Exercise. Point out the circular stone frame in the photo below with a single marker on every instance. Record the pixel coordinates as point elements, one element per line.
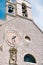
<point>12,41</point>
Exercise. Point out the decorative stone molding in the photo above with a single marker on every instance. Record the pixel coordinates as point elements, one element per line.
<point>13,56</point>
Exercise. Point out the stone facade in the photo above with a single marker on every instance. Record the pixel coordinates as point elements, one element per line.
<point>20,36</point>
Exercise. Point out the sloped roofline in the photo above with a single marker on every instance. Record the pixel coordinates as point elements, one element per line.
<point>32,22</point>
<point>37,26</point>
<point>27,19</point>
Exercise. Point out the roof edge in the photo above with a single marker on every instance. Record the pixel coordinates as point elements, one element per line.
<point>37,26</point>
<point>32,22</point>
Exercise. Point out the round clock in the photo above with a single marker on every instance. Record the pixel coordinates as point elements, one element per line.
<point>13,38</point>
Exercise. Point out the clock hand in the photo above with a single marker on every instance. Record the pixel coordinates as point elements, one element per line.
<point>14,37</point>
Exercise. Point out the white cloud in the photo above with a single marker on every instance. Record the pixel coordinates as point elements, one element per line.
<point>39,8</point>
<point>37,13</point>
<point>39,22</point>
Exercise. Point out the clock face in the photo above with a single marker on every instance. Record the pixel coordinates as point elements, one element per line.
<point>12,38</point>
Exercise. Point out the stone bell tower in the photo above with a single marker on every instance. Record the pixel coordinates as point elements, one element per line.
<point>19,42</point>
<point>19,8</point>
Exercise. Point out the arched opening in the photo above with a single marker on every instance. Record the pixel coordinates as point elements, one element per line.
<point>10,8</point>
<point>24,10</point>
<point>29,58</point>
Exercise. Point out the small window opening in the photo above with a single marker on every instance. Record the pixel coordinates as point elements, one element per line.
<point>10,9</point>
<point>27,38</point>
<point>29,58</point>
<point>24,10</point>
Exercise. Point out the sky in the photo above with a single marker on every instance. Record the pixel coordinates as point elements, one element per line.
<point>2,9</point>
<point>37,11</point>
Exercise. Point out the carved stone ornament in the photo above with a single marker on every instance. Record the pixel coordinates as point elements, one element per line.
<point>13,56</point>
